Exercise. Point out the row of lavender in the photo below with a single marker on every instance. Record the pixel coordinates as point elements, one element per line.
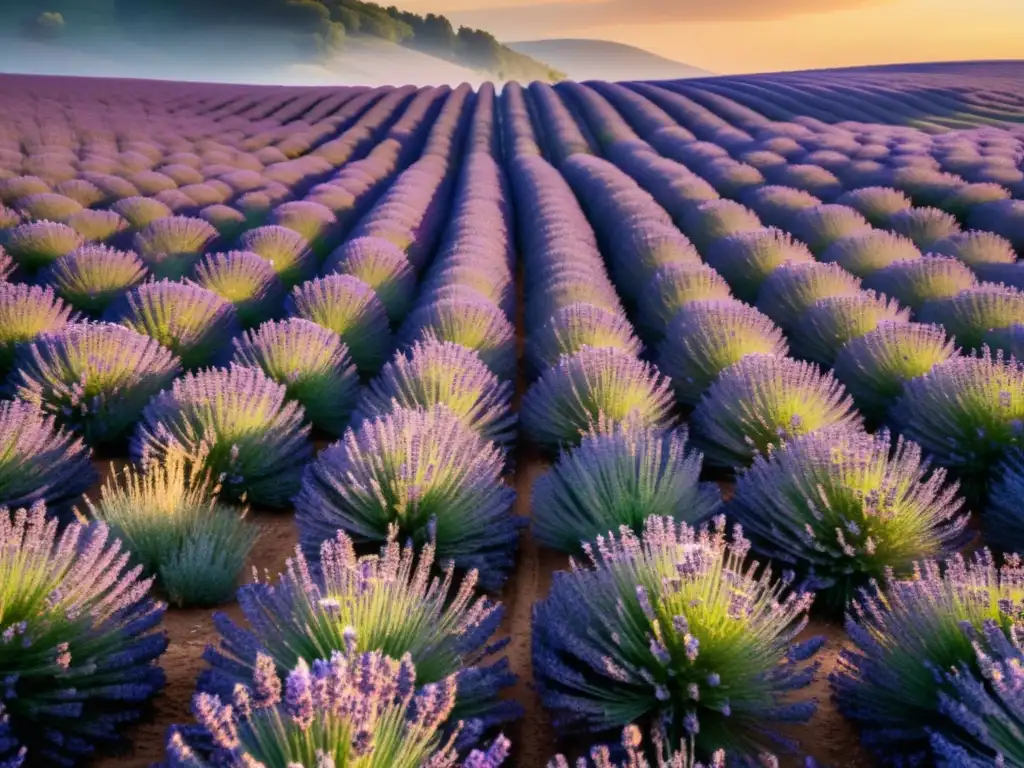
<point>822,501</point>
<point>430,461</point>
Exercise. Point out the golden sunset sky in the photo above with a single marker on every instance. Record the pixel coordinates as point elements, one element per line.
<point>733,36</point>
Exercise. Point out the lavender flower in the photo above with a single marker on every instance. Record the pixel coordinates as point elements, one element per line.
<point>170,246</point>
<point>672,626</point>
<point>675,286</point>
<point>876,204</point>
<point>381,265</point>
<point>913,283</point>
<point>763,401</point>
<point>595,382</point>
<point>792,289</point>
<point>392,603</point>
<point>7,266</point>
<point>97,226</point>
<point>706,337</point>
<point>776,206</point>
<point>832,322</point>
<point>865,253</point>
<point>747,258</point>
<point>875,367</point>
<point>238,424</point>
<point>843,508</point>
<point>824,225</point>
<point>350,308</point>
<point>970,314</point>
<point>194,323</point>
<point>355,709</point>
<point>39,461</point>
<point>976,248</point>
<point>18,187</point>
<point>618,477</point>
<point>246,280</point>
<point>906,637</point>
<point>93,276</point>
<point>474,323</point>
<point>169,517</point>
<point>94,377</point>
<point>575,327</point>
<point>314,222</point>
<point>39,243</point>
<point>47,206</point>
<point>960,201</point>
<point>25,313</point>
<point>967,412</point>
<point>228,222</point>
<point>440,372</point>
<point>77,646</point>
<point>312,362</point>
<point>665,756</point>
<point>925,226</point>
<point>287,251</point>
<point>140,212</point>
<point>709,221</point>
<point>427,473</point>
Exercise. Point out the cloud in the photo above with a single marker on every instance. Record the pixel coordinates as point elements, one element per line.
<point>544,19</point>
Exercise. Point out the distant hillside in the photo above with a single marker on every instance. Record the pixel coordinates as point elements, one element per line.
<point>363,61</point>
<point>605,60</point>
<point>306,33</point>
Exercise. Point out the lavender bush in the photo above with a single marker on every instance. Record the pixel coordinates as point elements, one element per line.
<point>245,279</point>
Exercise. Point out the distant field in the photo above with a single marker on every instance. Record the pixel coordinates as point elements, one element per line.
<point>505,321</point>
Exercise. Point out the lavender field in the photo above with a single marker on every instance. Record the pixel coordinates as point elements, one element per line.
<point>645,424</point>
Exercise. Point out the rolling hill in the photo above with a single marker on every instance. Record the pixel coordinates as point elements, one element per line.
<point>605,60</point>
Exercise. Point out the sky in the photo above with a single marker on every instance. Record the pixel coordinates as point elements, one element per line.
<point>740,36</point>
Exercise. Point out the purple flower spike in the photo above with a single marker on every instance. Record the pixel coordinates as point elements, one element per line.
<point>39,243</point>
<point>746,259</point>
<point>832,322</point>
<point>668,754</point>
<point>287,251</point>
<point>474,323</point>
<point>792,289</point>
<point>875,367</point>
<point>675,286</point>
<point>39,461</point>
<point>629,634</point>
<point>867,252</point>
<point>977,248</point>
<point>312,362</point>
<point>194,323</point>
<point>389,602</point>
<point>240,423</point>
<point>25,313</point>
<point>381,265</point>
<point>170,246</point>
<point>908,635</point>
<point>94,377</point>
<point>351,709</point>
<point>78,648</point>
<point>970,314</point>
<point>427,473</point>
<point>594,383</point>
<point>245,279</point>
<point>93,276</point>
<point>620,476</point>
<point>578,326</point>
<point>843,508</point>
<point>763,401</point>
<point>877,204</point>
<point>350,308</point>
<point>706,337</point>
<point>967,412</point>
<point>822,226</point>
<point>441,372</point>
<point>914,282</point>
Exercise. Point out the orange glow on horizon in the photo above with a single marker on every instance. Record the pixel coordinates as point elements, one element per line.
<point>853,32</point>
